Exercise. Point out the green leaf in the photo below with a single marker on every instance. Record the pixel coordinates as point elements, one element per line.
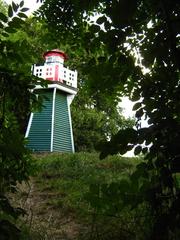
<point>94,28</point>
<point>10,11</point>
<point>24,9</point>
<point>128,135</point>
<point>137,150</point>
<point>21,4</point>
<point>22,15</point>
<point>144,150</point>
<point>3,17</point>
<point>136,106</point>
<point>101,20</point>
<point>5,34</point>
<point>16,22</point>
<point>10,30</point>
<point>135,97</point>
<point>107,25</point>
<point>1,25</point>
<point>15,6</point>
<point>139,113</point>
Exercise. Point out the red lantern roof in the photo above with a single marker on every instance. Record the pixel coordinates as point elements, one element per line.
<point>55,52</point>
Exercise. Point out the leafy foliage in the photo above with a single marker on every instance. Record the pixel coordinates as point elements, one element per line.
<point>113,68</point>
<point>95,115</point>
<point>16,101</point>
<point>95,119</point>
<point>135,33</point>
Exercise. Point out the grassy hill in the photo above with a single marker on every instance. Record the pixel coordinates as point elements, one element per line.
<point>64,198</point>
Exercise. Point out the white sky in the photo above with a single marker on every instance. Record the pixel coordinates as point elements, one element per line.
<point>127,106</point>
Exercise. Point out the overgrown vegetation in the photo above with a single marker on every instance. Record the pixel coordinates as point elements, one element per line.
<point>128,37</point>
<point>105,54</point>
<point>68,199</point>
<point>16,101</point>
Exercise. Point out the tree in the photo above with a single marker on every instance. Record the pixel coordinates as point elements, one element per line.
<point>81,57</point>
<point>3,7</point>
<point>16,101</point>
<point>95,116</point>
<point>95,119</point>
<point>150,28</point>
<point>20,48</point>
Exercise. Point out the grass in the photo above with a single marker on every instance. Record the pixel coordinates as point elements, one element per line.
<point>56,199</point>
<point>69,175</point>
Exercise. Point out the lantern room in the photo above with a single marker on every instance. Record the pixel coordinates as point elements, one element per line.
<point>53,69</point>
<point>54,56</point>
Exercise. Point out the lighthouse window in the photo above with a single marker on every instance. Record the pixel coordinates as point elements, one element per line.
<point>40,70</point>
<point>49,59</point>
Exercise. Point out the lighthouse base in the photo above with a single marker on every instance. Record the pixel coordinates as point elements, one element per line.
<point>50,130</point>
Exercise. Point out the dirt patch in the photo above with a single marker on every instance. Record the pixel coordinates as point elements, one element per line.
<point>43,219</point>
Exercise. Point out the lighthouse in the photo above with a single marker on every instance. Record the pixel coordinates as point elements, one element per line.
<point>50,129</point>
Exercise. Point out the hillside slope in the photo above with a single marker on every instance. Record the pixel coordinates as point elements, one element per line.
<point>57,199</point>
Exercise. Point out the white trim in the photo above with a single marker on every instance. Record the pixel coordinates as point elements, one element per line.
<point>29,125</point>
<point>59,87</point>
<point>69,100</point>
<point>52,121</point>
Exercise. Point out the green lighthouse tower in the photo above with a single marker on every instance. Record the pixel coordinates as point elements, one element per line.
<point>50,130</point>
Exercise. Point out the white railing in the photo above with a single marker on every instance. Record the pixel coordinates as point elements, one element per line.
<point>64,75</point>
<point>69,77</point>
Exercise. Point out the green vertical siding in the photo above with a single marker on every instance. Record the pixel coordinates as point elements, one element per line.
<point>62,141</point>
<point>40,131</point>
